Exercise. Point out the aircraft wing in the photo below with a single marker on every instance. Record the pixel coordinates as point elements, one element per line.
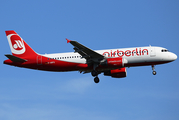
<point>86,52</point>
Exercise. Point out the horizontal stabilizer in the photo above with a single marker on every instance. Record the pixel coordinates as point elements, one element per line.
<point>14,58</point>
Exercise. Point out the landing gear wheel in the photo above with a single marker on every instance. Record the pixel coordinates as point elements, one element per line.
<point>94,73</point>
<point>154,72</point>
<point>96,80</point>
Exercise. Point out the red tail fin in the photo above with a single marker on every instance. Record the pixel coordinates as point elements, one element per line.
<point>19,47</point>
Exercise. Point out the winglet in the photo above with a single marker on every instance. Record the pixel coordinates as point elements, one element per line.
<point>68,40</point>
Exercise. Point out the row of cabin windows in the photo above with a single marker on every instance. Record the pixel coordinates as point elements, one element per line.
<point>127,53</point>
<point>57,58</point>
<point>81,56</point>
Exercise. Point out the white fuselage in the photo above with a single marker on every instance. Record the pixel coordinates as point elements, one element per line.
<point>131,56</point>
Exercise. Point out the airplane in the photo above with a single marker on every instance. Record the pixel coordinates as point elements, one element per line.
<point>110,62</point>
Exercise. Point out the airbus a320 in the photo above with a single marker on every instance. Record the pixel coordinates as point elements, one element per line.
<point>110,62</point>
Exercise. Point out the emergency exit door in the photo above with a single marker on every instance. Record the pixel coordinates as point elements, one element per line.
<point>152,52</point>
<point>39,60</point>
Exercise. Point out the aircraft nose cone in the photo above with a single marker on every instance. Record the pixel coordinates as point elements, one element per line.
<point>174,56</point>
<point>171,57</point>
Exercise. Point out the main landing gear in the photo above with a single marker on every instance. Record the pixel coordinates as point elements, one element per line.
<point>96,79</point>
<point>154,72</point>
<point>94,73</point>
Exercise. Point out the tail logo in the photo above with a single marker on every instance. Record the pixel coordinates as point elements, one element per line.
<point>16,44</point>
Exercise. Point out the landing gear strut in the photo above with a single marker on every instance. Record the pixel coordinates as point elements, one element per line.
<point>95,73</point>
<point>154,72</point>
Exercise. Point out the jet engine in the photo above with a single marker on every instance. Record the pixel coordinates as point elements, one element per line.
<point>116,73</point>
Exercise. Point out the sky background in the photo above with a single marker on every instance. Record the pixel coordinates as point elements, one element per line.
<point>27,94</point>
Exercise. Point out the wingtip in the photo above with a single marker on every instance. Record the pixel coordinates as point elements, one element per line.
<point>68,40</point>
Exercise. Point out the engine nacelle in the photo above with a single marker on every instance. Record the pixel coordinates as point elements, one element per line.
<point>117,73</point>
<point>113,62</point>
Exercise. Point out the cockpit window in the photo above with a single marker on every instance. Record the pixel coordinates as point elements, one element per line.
<point>164,50</point>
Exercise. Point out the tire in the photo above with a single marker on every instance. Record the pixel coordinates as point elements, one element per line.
<point>154,72</point>
<point>96,80</point>
<point>94,73</point>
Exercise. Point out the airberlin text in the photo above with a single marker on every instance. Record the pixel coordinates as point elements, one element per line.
<point>120,53</point>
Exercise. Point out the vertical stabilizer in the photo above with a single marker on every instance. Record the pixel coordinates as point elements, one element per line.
<point>18,46</point>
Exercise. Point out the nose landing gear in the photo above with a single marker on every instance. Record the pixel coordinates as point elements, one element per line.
<point>154,72</point>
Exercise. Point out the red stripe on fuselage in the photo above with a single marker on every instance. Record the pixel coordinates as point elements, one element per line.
<point>48,64</point>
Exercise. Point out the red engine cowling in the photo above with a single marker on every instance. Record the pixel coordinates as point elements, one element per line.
<point>113,62</point>
<point>117,73</point>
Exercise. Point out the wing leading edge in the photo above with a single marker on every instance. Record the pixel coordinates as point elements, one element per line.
<point>86,52</point>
